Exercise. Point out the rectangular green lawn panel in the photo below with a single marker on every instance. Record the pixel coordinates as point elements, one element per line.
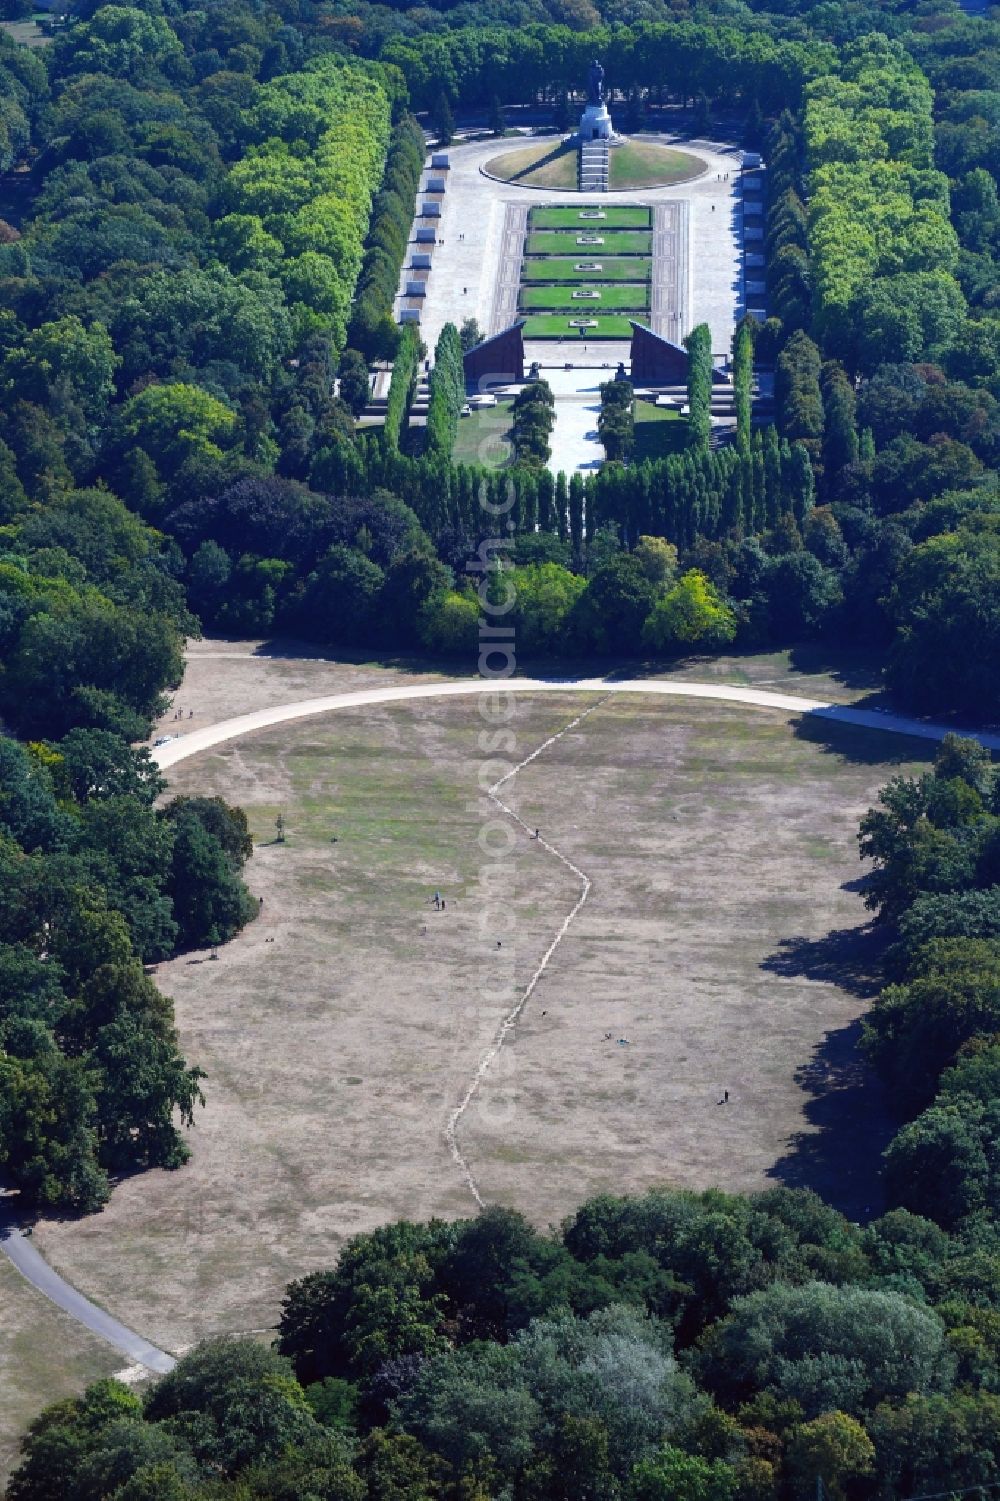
<point>555,326</point>
<point>658,431</point>
<point>611,299</point>
<point>562,269</point>
<point>484,436</point>
<point>616,242</point>
<point>623,217</point>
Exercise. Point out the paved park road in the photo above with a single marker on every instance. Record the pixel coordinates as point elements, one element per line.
<point>15,1245</point>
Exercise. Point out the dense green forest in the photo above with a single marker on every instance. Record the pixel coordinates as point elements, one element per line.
<point>209,211</point>
<point>203,213</point>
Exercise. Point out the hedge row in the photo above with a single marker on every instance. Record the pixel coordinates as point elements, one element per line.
<point>787,243</point>
<point>371,327</point>
<point>447,386</point>
<point>700,492</point>
<point>743,383</point>
<point>699,348</point>
<point>404,375</point>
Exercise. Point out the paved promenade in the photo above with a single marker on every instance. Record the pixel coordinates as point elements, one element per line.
<point>699,279</point>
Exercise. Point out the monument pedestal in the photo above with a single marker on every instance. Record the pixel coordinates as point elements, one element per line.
<point>595,123</point>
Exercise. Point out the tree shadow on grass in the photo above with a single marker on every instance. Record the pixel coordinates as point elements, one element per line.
<point>850,1125</point>
<point>855,669</point>
<point>851,958</point>
<point>860,744</point>
<point>849,1120</point>
<point>562,149</point>
<point>289,649</point>
<point>563,668</point>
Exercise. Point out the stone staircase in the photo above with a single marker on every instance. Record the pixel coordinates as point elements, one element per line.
<point>594,166</point>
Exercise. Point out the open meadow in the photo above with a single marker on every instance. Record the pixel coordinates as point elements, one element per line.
<point>346,1023</point>
<point>484,436</point>
<point>644,164</point>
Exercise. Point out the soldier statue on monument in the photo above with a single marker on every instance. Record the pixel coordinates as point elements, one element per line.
<point>595,122</point>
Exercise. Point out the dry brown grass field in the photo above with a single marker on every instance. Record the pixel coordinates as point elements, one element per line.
<point>337,1034</point>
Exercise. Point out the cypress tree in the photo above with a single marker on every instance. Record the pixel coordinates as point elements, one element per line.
<point>759,494</point>
<point>797,393</point>
<point>404,374</point>
<point>442,119</point>
<point>772,476</point>
<point>743,382</point>
<point>590,504</point>
<point>576,516</point>
<point>840,432</point>
<point>528,486</point>
<point>447,387</point>
<point>561,502</point>
<point>800,486</point>
<point>546,507</point>
<point>699,347</point>
<point>732,509</point>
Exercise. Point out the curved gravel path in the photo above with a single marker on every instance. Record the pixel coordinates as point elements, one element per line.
<point>758,698</point>
<point>15,1244</point>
